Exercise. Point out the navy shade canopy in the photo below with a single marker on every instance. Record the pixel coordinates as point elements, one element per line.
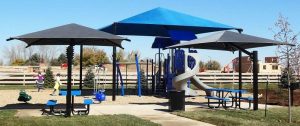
<point>64,35</point>
<point>228,41</point>
<point>71,34</point>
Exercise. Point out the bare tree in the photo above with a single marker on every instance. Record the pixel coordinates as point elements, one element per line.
<point>48,52</point>
<point>121,55</point>
<point>283,32</point>
<point>1,62</point>
<point>289,55</point>
<point>20,52</point>
<point>14,52</point>
<point>131,55</point>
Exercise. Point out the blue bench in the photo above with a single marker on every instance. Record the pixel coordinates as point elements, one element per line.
<point>249,99</point>
<point>220,101</point>
<point>87,103</point>
<point>51,104</point>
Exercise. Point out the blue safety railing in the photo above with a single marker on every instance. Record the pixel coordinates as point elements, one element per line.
<point>138,75</point>
<point>119,76</point>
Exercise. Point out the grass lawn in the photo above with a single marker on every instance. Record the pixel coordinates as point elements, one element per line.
<point>275,117</point>
<point>246,86</point>
<point>7,119</point>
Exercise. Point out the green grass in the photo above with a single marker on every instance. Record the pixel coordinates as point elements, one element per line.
<point>7,118</point>
<point>275,117</point>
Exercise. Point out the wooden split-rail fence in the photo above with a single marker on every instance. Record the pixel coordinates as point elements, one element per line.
<point>131,78</point>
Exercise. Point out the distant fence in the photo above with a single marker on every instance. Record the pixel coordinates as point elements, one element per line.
<point>210,78</point>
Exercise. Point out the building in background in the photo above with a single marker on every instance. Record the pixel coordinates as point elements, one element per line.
<point>270,65</point>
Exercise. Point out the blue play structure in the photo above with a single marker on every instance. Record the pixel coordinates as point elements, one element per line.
<point>138,76</point>
<point>177,60</point>
<point>100,96</point>
<point>179,66</point>
<point>119,76</point>
<point>100,92</point>
<point>168,75</point>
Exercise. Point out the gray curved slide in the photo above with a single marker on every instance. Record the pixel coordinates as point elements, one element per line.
<point>180,83</point>
<point>200,85</point>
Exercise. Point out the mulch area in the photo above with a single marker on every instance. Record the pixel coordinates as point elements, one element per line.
<point>279,97</point>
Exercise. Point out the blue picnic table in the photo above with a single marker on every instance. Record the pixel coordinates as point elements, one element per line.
<point>222,97</point>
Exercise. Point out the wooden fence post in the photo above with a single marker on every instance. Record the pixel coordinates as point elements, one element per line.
<point>24,78</point>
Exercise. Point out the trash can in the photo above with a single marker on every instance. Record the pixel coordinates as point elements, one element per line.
<point>176,100</point>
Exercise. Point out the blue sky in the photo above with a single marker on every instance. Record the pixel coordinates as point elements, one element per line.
<point>254,16</point>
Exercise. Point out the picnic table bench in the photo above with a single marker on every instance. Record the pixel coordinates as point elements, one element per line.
<point>220,101</point>
<point>222,97</point>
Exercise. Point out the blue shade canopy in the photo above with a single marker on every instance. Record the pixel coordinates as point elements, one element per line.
<point>158,21</point>
<point>161,42</point>
<point>182,35</point>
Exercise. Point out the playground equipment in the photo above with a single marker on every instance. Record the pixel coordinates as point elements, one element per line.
<point>119,76</point>
<point>158,83</point>
<point>23,96</point>
<point>138,76</point>
<point>186,68</point>
<point>99,83</point>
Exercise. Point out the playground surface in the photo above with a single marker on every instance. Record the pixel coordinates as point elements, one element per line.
<point>150,108</point>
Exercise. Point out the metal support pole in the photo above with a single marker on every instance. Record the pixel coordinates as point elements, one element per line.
<point>70,53</point>
<point>266,102</point>
<point>114,67</point>
<point>159,68</point>
<point>80,67</point>
<point>289,86</point>
<point>139,90</point>
<point>240,76</point>
<point>147,77</point>
<point>126,75</point>
<point>118,67</point>
<point>152,76</point>
<point>255,80</point>
<point>114,74</point>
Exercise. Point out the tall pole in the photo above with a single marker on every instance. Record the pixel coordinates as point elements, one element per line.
<point>289,84</point>
<point>114,74</point>
<point>126,74</point>
<point>152,76</point>
<point>70,54</point>
<point>139,91</point>
<point>240,76</point>
<point>114,67</point>
<point>147,76</point>
<point>80,67</point>
<point>255,80</point>
<point>266,101</point>
<point>159,68</point>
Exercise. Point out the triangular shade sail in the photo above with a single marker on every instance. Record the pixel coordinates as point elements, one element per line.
<point>228,41</point>
<point>163,42</point>
<point>71,34</point>
<point>158,21</point>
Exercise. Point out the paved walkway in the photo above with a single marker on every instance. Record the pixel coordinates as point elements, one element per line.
<point>154,113</point>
